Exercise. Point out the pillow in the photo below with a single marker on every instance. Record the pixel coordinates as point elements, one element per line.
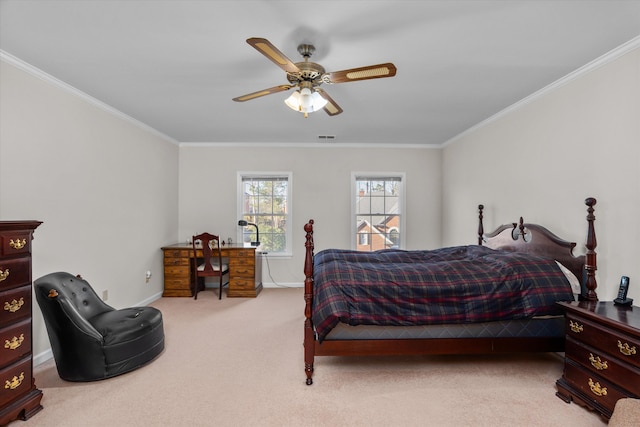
<point>573,280</point>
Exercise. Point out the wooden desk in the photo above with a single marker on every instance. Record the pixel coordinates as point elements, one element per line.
<point>245,270</point>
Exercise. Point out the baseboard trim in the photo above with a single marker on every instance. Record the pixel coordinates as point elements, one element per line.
<point>282,285</point>
<point>43,357</point>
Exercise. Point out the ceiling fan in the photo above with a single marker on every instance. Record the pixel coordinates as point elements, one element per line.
<point>307,77</point>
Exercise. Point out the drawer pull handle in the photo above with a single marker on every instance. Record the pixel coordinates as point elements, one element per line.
<point>4,274</point>
<point>575,327</point>
<point>14,305</point>
<point>597,363</point>
<point>18,244</point>
<point>597,389</point>
<point>14,343</point>
<point>626,349</point>
<point>15,382</point>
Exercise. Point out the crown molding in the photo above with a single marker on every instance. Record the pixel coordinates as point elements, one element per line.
<point>605,59</point>
<point>363,145</point>
<point>36,72</point>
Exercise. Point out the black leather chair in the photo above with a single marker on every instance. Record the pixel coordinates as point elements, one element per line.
<point>91,340</point>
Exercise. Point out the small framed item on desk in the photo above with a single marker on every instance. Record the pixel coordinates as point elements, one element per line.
<point>622,292</point>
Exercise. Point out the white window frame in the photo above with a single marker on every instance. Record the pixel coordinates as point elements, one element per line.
<point>403,201</point>
<point>289,222</point>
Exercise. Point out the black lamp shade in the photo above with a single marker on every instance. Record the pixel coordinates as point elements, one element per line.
<point>243,223</point>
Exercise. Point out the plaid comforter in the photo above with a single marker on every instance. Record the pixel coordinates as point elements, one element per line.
<point>462,284</point>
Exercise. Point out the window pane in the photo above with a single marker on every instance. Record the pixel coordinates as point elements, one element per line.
<point>378,202</point>
<point>392,205</point>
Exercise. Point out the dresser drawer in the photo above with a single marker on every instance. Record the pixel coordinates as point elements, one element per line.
<point>242,283</point>
<point>177,282</point>
<point>593,387</point>
<point>243,271</point>
<point>15,243</point>
<point>176,270</point>
<point>15,342</point>
<point>177,253</point>
<point>245,253</point>
<point>15,380</point>
<point>242,261</point>
<point>176,261</point>
<point>243,257</point>
<point>15,272</point>
<point>625,376</point>
<point>15,304</point>
<point>606,340</point>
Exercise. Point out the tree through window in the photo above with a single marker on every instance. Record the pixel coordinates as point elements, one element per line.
<point>265,201</point>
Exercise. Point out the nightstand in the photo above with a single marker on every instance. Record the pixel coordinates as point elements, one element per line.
<point>602,355</point>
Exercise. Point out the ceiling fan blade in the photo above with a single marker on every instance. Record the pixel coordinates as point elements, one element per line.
<point>265,47</point>
<point>332,108</point>
<point>258,94</point>
<point>362,73</point>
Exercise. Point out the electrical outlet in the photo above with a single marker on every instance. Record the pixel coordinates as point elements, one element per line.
<point>147,276</point>
<point>105,295</point>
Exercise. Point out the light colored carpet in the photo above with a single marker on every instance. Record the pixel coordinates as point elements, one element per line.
<point>238,362</point>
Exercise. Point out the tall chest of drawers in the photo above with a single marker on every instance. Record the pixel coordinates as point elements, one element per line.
<point>19,397</point>
<point>602,355</point>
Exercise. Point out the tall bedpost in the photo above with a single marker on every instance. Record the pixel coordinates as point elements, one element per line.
<point>480,226</point>
<point>590,258</point>
<point>309,338</point>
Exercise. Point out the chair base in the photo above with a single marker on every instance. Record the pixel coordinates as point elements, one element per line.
<point>121,357</point>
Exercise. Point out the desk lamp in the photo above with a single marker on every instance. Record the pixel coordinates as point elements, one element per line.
<point>243,223</point>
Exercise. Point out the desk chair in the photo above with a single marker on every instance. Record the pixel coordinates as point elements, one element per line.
<point>209,264</point>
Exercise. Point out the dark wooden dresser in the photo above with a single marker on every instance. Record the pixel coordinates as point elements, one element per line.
<point>602,355</point>
<point>19,397</point>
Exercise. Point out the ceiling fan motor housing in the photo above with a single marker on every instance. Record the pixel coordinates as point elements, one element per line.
<point>309,71</point>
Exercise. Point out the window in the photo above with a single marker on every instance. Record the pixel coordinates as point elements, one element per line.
<point>363,239</point>
<point>378,211</point>
<point>264,200</point>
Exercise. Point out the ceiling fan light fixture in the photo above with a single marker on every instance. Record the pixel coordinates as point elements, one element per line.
<point>305,101</point>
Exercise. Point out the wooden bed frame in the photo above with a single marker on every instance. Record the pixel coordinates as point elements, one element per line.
<point>530,238</point>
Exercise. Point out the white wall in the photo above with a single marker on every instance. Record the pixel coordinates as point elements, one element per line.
<point>106,189</point>
<point>543,159</point>
<point>111,192</point>
<point>321,190</point>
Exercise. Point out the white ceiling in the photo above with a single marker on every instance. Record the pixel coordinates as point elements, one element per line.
<point>175,65</point>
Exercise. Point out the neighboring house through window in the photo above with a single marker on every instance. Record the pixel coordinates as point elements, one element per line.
<point>264,199</point>
<point>378,210</point>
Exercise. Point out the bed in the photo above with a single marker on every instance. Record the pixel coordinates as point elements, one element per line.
<point>446,301</point>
